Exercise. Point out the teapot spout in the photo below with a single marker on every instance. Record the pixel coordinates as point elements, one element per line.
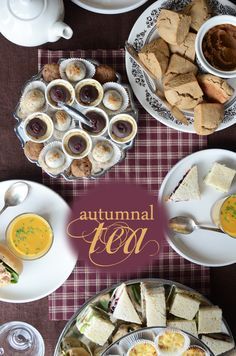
<point>60,29</point>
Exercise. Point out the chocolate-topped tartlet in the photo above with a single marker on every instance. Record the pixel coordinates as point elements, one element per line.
<point>77,143</point>
<point>59,90</point>
<point>59,93</point>
<point>99,121</point>
<point>38,127</point>
<point>89,92</point>
<point>123,128</point>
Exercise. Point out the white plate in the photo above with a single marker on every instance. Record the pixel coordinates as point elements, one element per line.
<point>109,6</point>
<point>201,247</point>
<point>40,277</point>
<point>143,31</point>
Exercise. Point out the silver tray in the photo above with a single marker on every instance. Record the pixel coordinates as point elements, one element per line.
<point>95,301</point>
<point>131,109</point>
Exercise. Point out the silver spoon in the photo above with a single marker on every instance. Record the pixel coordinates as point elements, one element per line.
<point>186,225</point>
<point>15,195</point>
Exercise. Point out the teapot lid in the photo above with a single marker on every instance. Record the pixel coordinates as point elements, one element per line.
<point>26,9</point>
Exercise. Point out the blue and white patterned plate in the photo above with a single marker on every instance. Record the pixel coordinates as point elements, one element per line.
<point>143,31</point>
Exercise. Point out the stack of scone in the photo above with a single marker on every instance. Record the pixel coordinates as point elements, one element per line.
<point>171,59</point>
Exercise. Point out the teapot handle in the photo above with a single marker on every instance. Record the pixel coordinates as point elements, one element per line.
<point>60,29</point>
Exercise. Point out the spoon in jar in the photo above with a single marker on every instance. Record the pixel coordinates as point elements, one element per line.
<point>15,195</point>
<point>186,225</point>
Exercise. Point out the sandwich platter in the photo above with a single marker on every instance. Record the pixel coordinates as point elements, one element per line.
<point>142,33</point>
<point>202,247</point>
<point>131,308</point>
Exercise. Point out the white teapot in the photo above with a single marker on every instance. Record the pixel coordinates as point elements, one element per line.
<point>33,22</point>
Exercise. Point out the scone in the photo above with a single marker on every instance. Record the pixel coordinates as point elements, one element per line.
<point>105,73</point>
<point>33,149</point>
<point>183,91</point>
<point>51,72</point>
<point>81,167</point>
<point>155,56</point>
<point>215,88</point>
<point>187,48</point>
<point>199,11</point>
<point>178,65</point>
<point>173,27</point>
<point>207,117</point>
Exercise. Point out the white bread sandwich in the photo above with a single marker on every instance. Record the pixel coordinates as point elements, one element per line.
<point>95,325</point>
<point>185,325</point>
<point>184,306</point>
<point>153,304</point>
<point>10,267</point>
<point>121,306</point>
<point>209,319</point>
<point>220,177</point>
<point>217,344</point>
<point>188,187</point>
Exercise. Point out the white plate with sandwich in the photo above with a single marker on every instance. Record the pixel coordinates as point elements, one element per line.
<point>179,77</point>
<point>109,7</point>
<point>42,276</point>
<point>137,304</point>
<point>191,188</point>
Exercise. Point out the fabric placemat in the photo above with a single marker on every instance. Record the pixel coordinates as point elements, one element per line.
<point>157,148</point>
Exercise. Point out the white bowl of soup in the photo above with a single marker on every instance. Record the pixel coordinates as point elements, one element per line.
<point>29,236</point>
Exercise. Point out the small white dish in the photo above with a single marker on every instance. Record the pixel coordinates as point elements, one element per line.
<point>209,24</point>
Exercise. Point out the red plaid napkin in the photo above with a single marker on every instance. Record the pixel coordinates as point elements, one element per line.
<point>157,148</point>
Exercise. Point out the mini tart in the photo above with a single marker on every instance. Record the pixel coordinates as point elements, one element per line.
<point>32,150</point>
<point>97,92</point>
<point>49,127</point>
<point>32,99</point>
<point>110,100</point>
<point>60,130</point>
<point>50,158</point>
<point>80,168</point>
<point>99,167</point>
<point>67,73</point>
<point>143,348</point>
<point>195,350</point>
<point>106,121</point>
<point>126,118</point>
<point>68,88</point>
<point>171,342</point>
<point>50,72</point>
<point>84,136</point>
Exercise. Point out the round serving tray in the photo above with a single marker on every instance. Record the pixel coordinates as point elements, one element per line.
<point>131,109</point>
<point>143,32</point>
<point>95,300</point>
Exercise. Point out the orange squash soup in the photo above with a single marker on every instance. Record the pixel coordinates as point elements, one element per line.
<point>29,236</point>
<point>228,216</point>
